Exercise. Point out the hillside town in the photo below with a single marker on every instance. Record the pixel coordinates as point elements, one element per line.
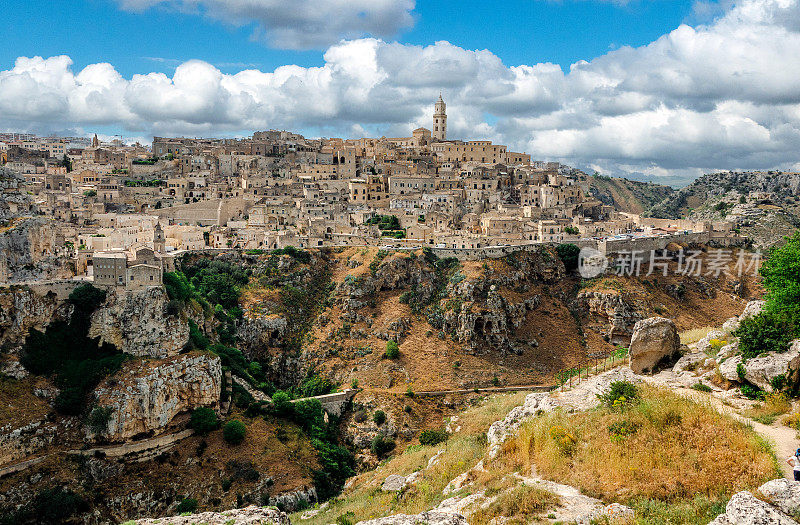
<point>110,201</point>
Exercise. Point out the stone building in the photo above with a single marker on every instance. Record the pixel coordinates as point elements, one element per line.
<point>440,120</point>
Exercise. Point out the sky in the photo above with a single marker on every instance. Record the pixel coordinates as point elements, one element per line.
<point>661,90</point>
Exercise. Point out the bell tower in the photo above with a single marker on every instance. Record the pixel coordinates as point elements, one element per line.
<point>440,120</point>
<point>159,241</point>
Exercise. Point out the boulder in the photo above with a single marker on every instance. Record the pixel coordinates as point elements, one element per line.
<point>727,351</point>
<point>251,515</point>
<point>731,324</point>
<point>394,483</point>
<point>752,309</point>
<point>653,339</point>
<point>689,362</point>
<point>782,493</point>
<point>424,518</point>
<point>765,370</point>
<point>729,368</point>
<point>612,514</point>
<point>746,509</point>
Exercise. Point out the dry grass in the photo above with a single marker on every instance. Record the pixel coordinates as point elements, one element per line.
<point>695,334</point>
<point>462,452</point>
<point>520,504</point>
<point>19,406</point>
<point>678,451</point>
<point>774,405</point>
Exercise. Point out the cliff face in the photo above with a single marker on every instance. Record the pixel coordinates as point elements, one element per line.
<point>27,252</point>
<point>136,323</point>
<point>146,396</point>
<point>23,308</point>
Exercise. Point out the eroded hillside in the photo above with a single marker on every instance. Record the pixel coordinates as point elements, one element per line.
<point>244,333</point>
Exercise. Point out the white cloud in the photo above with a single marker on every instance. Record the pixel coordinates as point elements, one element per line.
<point>299,24</point>
<point>717,96</point>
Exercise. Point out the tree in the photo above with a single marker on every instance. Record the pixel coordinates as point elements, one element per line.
<point>779,323</point>
<point>67,163</point>
<point>234,431</point>
<point>568,253</point>
<point>203,420</point>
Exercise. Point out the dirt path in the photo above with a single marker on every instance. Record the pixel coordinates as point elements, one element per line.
<point>783,438</point>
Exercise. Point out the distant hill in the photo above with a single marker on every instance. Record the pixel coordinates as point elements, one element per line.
<point>764,205</point>
<point>624,194</point>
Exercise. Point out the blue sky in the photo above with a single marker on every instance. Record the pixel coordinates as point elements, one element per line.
<point>518,31</point>
<point>651,89</point>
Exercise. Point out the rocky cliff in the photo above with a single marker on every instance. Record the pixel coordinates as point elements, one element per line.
<point>25,307</point>
<point>28,251</point>
<point>137,323</point>
<point>146,396</point>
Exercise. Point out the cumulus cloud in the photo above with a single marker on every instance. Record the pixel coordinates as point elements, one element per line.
<point>299,24</point>
<point>722,95</point>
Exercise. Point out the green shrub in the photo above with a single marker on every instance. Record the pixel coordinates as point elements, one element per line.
<point>765,332</point>
<point>282,404</point>
<point>741,371</point>
<point>432,437</point>
<point>620,392</point>
<point>382,445</point>
<point>701,387</point>
<point>203,420</point>
<point>379,417</point>
<point>186,505</point>
<point>196,338</point>
<point>234,432</point>
<point>98,419</point>
<point>392,350</point>
<point>751,392</point>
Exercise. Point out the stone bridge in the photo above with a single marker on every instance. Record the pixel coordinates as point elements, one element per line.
<point>334,404</point>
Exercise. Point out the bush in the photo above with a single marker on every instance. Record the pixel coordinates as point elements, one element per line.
<point>432,437</point>
<point>379,417</point>
<point>392,350</point>
<point>98,420</point>
<point>382,445</point>
<point>282,404</point>
<point>620,393</point>
<point>766,332</point>
<point>203,420</point>
<point>234,432</point>
<point>701,387</point>
<point>186,505</point>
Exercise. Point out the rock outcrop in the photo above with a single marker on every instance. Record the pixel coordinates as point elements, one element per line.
<point>423,518</point>
<point>782,493</point>
<point>26,307</point>
<point>582,397</point>
<point>653,340</point>
<point>136,323</point>
<point>745,509</point>
<point>773,370</point>
<point>251,515</point>
<point>394,483</point>
<point>147,395</point>
<point>29,251</point>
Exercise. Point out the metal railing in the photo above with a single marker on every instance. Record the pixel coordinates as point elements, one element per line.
<point>596,363</point>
